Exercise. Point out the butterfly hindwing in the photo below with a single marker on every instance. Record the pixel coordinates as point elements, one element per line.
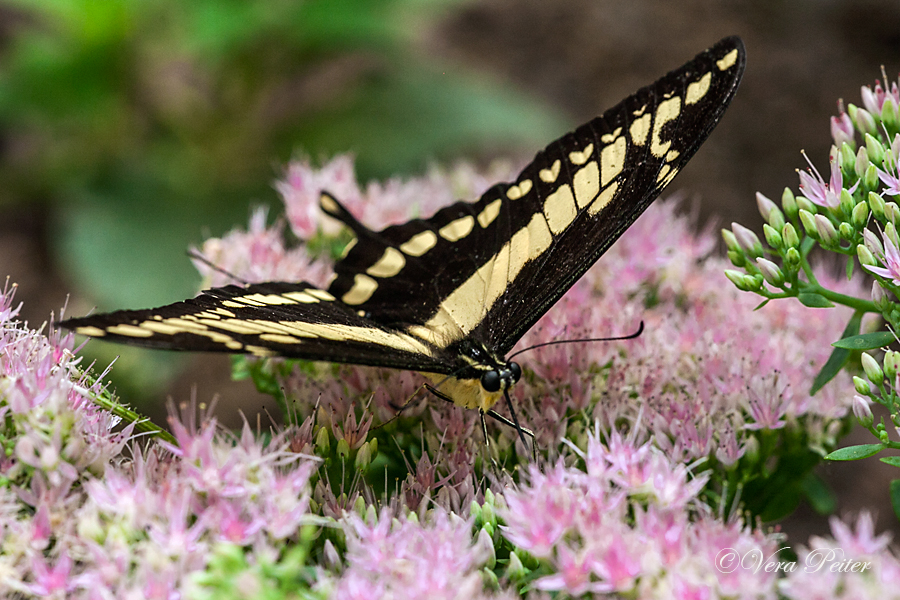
<point>489,270</point>
<point>276,318</point>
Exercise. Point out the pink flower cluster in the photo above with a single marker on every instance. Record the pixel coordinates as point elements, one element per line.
<point>78,519</point>
<point>631,523</point>
<point>703,379</point>
<point>407,559</point>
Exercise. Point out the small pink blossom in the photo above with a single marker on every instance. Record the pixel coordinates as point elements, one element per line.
<point>891,260</point>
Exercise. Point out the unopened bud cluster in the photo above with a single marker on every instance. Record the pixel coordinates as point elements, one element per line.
<point>853,212</point>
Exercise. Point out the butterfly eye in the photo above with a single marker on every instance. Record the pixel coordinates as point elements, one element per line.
<point>490,381</point>
<point>516,371</point>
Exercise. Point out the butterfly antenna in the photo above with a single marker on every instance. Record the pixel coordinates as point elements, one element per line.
<point>630,336</point>
<point>197,256</point>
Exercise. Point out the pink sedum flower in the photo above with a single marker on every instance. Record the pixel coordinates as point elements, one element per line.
<point>891,260</point>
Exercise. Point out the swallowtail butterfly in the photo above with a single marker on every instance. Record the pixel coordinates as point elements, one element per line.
<point>450,295</point>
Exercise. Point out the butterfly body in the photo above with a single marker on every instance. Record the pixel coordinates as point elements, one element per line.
<point>450,295</point>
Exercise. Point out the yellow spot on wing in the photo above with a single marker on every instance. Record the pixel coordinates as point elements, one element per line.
<point>727,61</point>
<point>328,204</point>
<point>586,183</point>
<point>348,247</point>
<point>129,331</point>
<point>639,130</point>
<point>457,229</point>
<point>269,299</point>
<point>419,244</point>
<point>91,331</point>
<point>458,314</point>
<point>363,288</point>
<point>612,159</point>
<point>390,263</point>
<point>608,137</point>
<point>260,351</point>
<point>224,313</point>
<point>231,304</point>
<point>579,158</point>
<point>517,191</point>
<point>697,89</point>
<point>490,212</point>
<point>302,297</point>
<point>320,294</point>
<point>550,175</point>
<point>559,208</point>
<point>603,199</point>
<point>665,112</point>
<point>279,339</point>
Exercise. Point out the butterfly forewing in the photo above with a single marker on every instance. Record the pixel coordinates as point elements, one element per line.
<point>489,270</point>
<point>476,275</point>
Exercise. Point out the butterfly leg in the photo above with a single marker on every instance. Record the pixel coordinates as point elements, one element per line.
<point>523,431</point>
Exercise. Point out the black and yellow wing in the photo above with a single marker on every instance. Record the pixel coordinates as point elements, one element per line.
<point>437,294</point>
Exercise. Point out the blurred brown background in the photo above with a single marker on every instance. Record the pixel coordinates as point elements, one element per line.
<point>349,82</point>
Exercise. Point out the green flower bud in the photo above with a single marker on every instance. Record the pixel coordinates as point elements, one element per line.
<point>891,363</point>
<point>848,158</point>
<point>789,235</point>
<point>873,244</point>
<point>846,230</point>
<point>488,516</point>
<point>808,220</point>
<point>773,238</point>
<point>789,203</point>
<point>747,240</point>
<point>363,457</point>
<point>485,544</point>
<point>730,241</point>
<point>753,282</point>
<point>861,385</point>
<point>359,506</point>
<point>343,449</point>
<point>865,257</point>
<point>847,202</point>
<point>891,212</point>
<point>737,278</point>
<point>871,368</point>
<point>827,233</point>
<point>475,513</point>
<point>770,271</point>
<point>803,203</point>
<point>861,163</point>
<point>890,232</point>
<point>889,112</point>
<point>323,442</point>
<point>769,211</point>
<point>515,570</point>
<point>736,258</point>
<point>751,450</point>
<point>865,122</point>
<point>792,260</point>
<point>874,149</point>
<point>880,299</point>
<point>871,178</point>
<point>862,412</point>
<point>860,215</point>
<point>876,203</point>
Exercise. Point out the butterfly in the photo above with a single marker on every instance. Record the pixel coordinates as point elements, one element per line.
<point>450,295</point>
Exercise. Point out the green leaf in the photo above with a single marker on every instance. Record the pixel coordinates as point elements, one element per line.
<point>895,497</point>
<point>813,300</point>
<point>855,452</point>
<point>838,358</point>
<point>761,304</point>
<point>894,461</point>
<point>866,341</point>
<point>820,497</point>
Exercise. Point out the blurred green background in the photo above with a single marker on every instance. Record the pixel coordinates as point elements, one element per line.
<point>130,129</point>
